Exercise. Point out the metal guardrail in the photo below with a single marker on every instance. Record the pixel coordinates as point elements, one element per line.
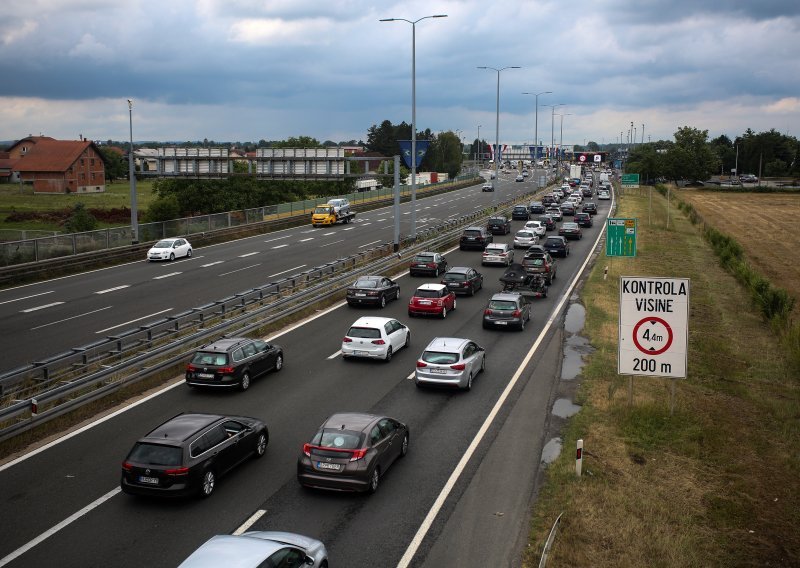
<point>45,389</point>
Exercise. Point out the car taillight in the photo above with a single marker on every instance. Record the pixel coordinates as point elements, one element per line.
<point>458,366</point>
<point>431,265</point>
<point>190,368</point>
<point>547,268</point>
<point>226,370</point>
<point>440,302</point>
<point>307,449</point>
<point>516,313</point>
<point>378,342</point>
<point>177,471</point>
<point>347,340</point>
<point>358,454</point>
<point>127,466</point>
<point>485,253</point>
<point>487,312</point>
<point>421,364</point>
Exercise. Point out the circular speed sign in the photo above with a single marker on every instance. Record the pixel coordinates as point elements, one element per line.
<point>652,336</point>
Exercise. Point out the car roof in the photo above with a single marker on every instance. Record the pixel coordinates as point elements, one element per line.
<point>459,269</point>
<point>181,427</point>
<point>425,253</point>
<point>508,296</point>
<point>231,551</point>
<point>447,344</point>
<point>371,321</point>
<point>349,420</point>
<point>224,344</point>
<point>474,229</point>
<point>431,287</point>
<point>369,278</point>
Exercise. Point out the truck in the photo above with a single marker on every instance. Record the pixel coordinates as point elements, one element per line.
<point>575,171</point>
<point>334,211</point>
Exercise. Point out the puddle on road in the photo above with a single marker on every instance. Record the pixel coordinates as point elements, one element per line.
<point>575,346</point>
<point>563,408</point>
<point>551,451</point>
<point>575,318</point>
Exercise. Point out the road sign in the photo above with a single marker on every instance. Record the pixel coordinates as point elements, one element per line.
<point>620,237</point>
<point>653,326</point>
<point>630,180</point>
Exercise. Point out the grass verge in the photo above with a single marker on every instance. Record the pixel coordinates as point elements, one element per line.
<point>715,483</point>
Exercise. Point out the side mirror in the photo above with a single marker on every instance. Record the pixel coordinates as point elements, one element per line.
<point>308,560</point>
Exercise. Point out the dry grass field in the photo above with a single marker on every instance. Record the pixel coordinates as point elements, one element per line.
<point>765,224</point>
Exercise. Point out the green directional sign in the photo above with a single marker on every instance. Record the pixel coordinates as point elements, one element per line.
<point>621,237</point>
<point>630,180</point>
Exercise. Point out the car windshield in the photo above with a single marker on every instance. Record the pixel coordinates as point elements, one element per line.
<point>423,258</point>
<point>455,276</point>
<point>502,305</point>
<point>551,241</point>
<point>155,454</point>
<point>322,210</point>
<point>439,358</point>
<point>472,233</point>
<point>365,332</point>
<point>209,358</point>
<point>427,293</point>
<point>535,260</point>
<point>366,283</point>
<point>339,439</point>
<point>163,244</point>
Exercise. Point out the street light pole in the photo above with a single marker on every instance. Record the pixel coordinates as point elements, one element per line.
<point>561,143</point>
<point>478,154</point>
<point>413,113</point>
<point>552,125</point>
<point>497,128</point>
<point>132,180</point>
<point>536,122</point>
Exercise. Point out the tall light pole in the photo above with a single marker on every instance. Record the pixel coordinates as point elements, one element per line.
<point>553,123</point>
<point>413,113</point>
<point>561,143</point>
<point>497,127</point>
<point>478,155</point>
<point>132,178</point>
<point>536,127</point>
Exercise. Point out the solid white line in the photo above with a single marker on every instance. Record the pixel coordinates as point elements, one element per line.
<point>114,289</point>
<point>250,522</point>
<point>40,307</point>
<point>304,240</point>
<point>285,271</point>
<point>448,487</point>
<point>333,243</point>
<point>26,297</point>
<point>67,319</point>
<point>211,264</point>
<point>167,275</point>
<point>372,243</point>
<point>335,355</point>
<point>133,321</point>
<point>280,246</point>
<point>240,269</point>
<point>248,254</point>
<point>50,532</point>
<point>278,238</point>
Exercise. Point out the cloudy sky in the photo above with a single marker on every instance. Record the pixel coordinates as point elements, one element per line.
<point>242,70</point>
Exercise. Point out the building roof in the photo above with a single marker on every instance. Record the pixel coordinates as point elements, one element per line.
<point>49,155</point>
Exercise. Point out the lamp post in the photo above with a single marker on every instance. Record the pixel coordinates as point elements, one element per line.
<point>553,123</point>
<point>478,155</point>
<point>413,113</point>
<point>561,142</point>
<point>132,179</point>
<point>536,122</point>
<point>497,127</point>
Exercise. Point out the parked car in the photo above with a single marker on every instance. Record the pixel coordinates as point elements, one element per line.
<point>375,338</point>
<point>373,291</point>
<point>463,279</point>
<point>525,238</point>
<point>170,249</point>
<point>499,225</point>
<point>432,263</point>
<point>507,309</point>
<point>590,208</point>
<point>255,549</point>
<point>557,246</point>
<point>520,213</point>
<point>352,451</point>
<point>498,253</point>
<point>188,453</point>
<point>450,362</point>
<point>432,299</point>
<point>475,237</point>
<point>548,222</point>
<point>571,231</point>
<point>583,219</point>
<point>536,207</point>
<point>488,186</point>
<point>540,262</point>
<point>233,362</point>
<point>555,213</point>
<point>537,227</point>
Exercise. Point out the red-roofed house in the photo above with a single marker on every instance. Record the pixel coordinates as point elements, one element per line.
<point>59,166</point>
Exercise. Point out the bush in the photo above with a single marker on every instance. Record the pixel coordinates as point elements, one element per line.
<point>81,220</point>
<point>163,209</point>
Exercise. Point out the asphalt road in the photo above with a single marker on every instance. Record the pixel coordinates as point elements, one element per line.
<point>62,507</point>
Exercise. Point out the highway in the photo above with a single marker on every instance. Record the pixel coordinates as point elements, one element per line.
<point>62,507</point>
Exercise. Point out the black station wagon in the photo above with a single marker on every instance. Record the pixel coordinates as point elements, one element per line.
<point>232,363</point>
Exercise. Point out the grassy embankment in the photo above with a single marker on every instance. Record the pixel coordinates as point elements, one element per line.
<point>714,484</point>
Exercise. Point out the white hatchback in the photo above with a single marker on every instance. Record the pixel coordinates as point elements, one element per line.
<point>170,249</point>
<point>375,338</point>
<point>524,238</point>
<point>537,227</point>
<point>497,253</point>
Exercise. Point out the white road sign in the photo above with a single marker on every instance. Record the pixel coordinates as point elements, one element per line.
<point>653,326</point>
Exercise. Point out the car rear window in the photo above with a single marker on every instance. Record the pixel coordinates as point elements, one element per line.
<point>338,439</point>
<point>365,332</point>
<point>502,305</point>
<point>472,233</point>
<point>208,358</point>
<point>366,284</point>
<point>524,234</point>
<point>155,454</point>
<point>494,249</point>
<point>535,261</point>
<point>552,241</point>
<point>455,277</point>
<point>423,258</point>
<point>427,294</point>
<point>439,358</point>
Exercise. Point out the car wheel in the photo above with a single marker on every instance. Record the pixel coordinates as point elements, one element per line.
<point>189,253</point>
<point>278,362</point>
<point>388,355</point>
<point>261,445</point>
<point>444,312</point>
<point>383,301</point>
<point>522,324</point>
<point>397,295</point>
<point>483,364</point>
<point>172,256</point>
<point>245,384</point>
<point>209,482</point>
<point>472,289</point>
<point>469,383</point>
<point>410,314</point>
<point>404,446</point>
<point>374,480</point>
<point>407,344</point>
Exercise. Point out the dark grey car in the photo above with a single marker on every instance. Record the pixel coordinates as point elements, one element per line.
<point>233,362</point>
<point>507,309</point>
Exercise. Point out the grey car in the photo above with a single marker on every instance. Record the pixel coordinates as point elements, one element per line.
<point>450,362</point>
<point>259,548</point>
<point>507,309</point>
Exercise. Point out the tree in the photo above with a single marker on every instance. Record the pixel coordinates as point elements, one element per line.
<point>163,209</point>
<point>114,164</point>
<point>80,220</point>
<point>298,142</point>
<point>693,157</point>
<point>593,146</point>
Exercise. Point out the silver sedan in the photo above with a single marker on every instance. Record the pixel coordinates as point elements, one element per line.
<point>450,362</point>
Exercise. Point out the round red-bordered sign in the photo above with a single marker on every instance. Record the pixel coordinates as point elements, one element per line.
<point>582,158</point>
<point>652,351</point>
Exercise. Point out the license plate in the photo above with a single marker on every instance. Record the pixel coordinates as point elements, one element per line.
<point>360,353</point>
<point>439,371</point>
<point>205,375</point>
<point>361,295</point>
<point>453,284</point>
<point>501,322</point>
<point>424,303</point>
<point>148,480</point>
<point>333,466</point>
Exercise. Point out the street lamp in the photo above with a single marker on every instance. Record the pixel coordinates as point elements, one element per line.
<point>497,127</point>
<point>478,155</point>
<point>536,128</point>
<point>413,112</point>
<point>132,178</point>
<point>561,143</point>
<point>552,123</point>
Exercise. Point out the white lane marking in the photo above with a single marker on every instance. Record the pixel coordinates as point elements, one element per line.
<point>285,271</point>
<point>331,233</point>
<point>240,269</point>
<point>40,307</point>
<point>365,224</point>
<point>247,254</point>
<point>280,246</point>
<point>53,530</point>
<point>134,320</point>
<point>211,264</point>
<point>309,231</point>
<point>278,238</point>
<point>250,522</point>
<point>411,376</point>
<point>367,244</point>
<point>335,355</point>
<point>407,213</point>
<point>387,227</point>
<point>332,243</point>
<point>27,297</point>
<point>167,275</point>
<point>67,319</point>
<point>348,229</point>
<point>114,289</point>
<point>304,240</point>
<point>448,487</point>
